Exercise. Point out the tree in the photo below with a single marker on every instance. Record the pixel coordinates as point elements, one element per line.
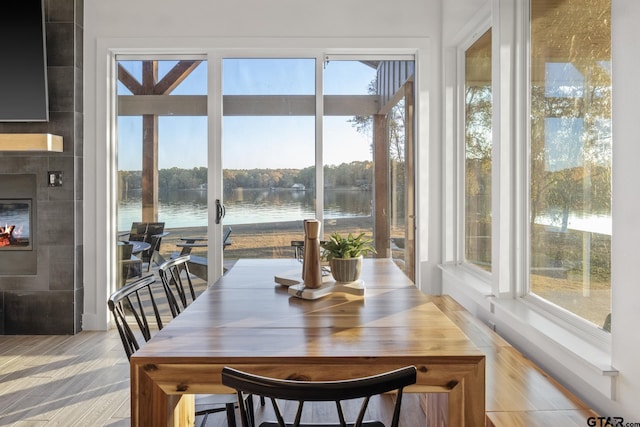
<point>395,123</point>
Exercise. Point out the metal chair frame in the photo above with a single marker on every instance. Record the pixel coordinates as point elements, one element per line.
<point>137,299</point>
<point>178,286</point>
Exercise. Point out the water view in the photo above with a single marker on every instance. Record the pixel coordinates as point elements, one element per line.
<point>188,208</point>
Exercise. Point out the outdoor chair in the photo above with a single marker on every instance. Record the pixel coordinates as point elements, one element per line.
<point>151,233</point>
<point>129,265</point>
<point>198,264</point>
<point>317,391</point>
<point>136,312</point>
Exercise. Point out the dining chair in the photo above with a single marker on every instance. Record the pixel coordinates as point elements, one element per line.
<point>319,391</point>
<point>137,315</point>
<point>135,301</point>
<point>176,279</point>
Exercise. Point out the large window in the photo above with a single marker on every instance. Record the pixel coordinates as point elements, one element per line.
<point>478,143</point>
<point>297,140</point>
<point>570,156</point>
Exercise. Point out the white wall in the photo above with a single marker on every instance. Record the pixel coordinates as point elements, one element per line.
<point>625,317</point>
<point>202,26</point>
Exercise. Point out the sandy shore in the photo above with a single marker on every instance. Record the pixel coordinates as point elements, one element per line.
<point>263,240</point>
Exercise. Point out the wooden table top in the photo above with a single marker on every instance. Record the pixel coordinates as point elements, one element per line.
<point>246,314</point>
<point>247,321</point>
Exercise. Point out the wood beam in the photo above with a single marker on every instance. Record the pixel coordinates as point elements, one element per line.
<point>149,168</point>
<point>129,81</point>
<point>381,226</point>
<point>149,77</point>
<point>174,77</point>
<point>149,147</point>
<point>409,162</point>
<point>247,105</point>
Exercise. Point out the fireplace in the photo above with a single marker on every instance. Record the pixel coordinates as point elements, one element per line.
<point>19,249</point>
<point>15,225</point>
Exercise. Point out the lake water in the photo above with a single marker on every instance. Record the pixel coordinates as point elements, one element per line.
<point>245,206</point>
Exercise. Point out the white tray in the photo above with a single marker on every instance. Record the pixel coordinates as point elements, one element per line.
<point>354,288</point>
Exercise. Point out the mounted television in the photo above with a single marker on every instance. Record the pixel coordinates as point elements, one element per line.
<point>23,69</point>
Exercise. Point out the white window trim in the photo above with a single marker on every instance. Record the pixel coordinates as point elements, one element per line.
<point>483,26</point>
<point>572,349</point>
<point>100,76</point>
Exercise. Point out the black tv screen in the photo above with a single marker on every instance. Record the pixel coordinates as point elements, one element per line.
<point>23,65</point>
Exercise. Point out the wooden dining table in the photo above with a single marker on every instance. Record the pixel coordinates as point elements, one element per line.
<point>248,321</point>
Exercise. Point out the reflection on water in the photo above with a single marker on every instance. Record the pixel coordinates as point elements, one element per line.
<point>245,206</point>
<point>589,222</point>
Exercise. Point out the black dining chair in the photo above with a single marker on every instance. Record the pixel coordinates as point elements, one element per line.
<point>136,312</point>
<point>318,391</point>
<point>177,283</point>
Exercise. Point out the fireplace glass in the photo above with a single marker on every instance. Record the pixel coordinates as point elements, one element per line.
<point>15,224</point>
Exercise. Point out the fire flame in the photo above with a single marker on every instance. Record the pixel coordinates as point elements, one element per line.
<point>9,233</point>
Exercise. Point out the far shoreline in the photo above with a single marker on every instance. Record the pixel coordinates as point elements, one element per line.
<point>269,239</point>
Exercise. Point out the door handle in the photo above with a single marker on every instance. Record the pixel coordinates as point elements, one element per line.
<point>220,211</point>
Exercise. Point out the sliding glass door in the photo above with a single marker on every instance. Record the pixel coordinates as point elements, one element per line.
<point>268,154</point>
<point>278,141</point>
<point>283,161</point>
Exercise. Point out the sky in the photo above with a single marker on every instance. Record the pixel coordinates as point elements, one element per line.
<point>253,142</point>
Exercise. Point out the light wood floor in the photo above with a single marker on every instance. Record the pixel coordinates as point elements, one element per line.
<point>83,380</point>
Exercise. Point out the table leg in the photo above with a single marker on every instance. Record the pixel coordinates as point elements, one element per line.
<point>151,406</point>
<point>463,405</point>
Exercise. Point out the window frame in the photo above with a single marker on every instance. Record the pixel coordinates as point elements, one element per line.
<point>508,281</point>
<point>594,334</point>
<point>479,31</point>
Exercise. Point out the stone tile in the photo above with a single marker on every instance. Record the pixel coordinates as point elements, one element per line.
<point>61,49</point>
<point>79,309</point>
<point>55,222</point>
<point>79,181</point>
<point>78,99</point>
<point>62,123</point>
<point>49,301</point>
<point>60,10</point>
<point>79,47</point>
<point>79,135</point>
<point>61,264</point>
<point>79,270</point>
<point>16,127</point>
<point>80,12</point>
<point>21,164</point>
<point>49,313</point>
<point>61,88</point>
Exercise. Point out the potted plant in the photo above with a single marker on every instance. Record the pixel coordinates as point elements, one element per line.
<point>345,255</point>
